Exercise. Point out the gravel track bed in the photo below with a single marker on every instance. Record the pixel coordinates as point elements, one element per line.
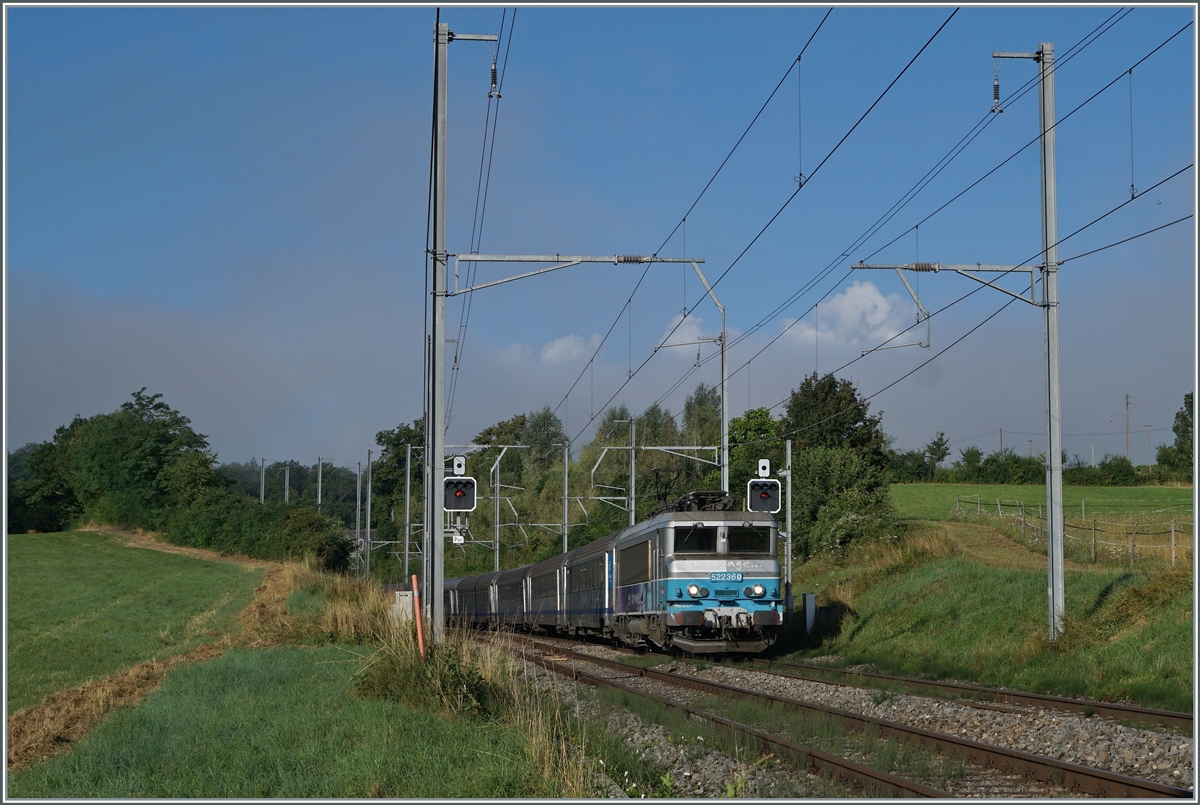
<point>977,782</point>
<point>1096,742</point>
<point>696,770</point>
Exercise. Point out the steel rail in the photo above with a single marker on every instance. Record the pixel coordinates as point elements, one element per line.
<point>1114,710</point>
<point>817,762</point>
<point>1043,769</point>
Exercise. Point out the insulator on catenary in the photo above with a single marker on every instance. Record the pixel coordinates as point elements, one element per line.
<point>925,266</point>
<point>632,258</point>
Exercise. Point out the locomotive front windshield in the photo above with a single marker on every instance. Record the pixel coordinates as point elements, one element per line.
<point>695,539</point>
<point>748,539</point>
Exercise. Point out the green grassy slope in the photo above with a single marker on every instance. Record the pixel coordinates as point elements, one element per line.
<point>82,606</point>
<point>281,723</point>
<point>936,501</point>
<point>976,609</point>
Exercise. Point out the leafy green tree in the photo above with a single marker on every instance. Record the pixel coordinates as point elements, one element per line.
<point>118,468</point>
<point>1177,458</point>
<point>829,412</point>
<point>387,476</point>
<point>752,436</point>
<point>938,449</point>
<point>967,468</point>
<point>702,415</point>
<point>908,466</point>
<point>23,514</point>
<point>839,498</point>
<point>657,426</point>
<point>545,436</point>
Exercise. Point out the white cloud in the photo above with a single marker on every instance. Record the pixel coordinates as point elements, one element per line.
<point>860,316</point>
<point>569,348</point>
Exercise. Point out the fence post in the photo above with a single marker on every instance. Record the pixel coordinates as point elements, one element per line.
<point>1083,508</point>
<point>957,509</point>
<point>1021,509</point>
<point>1132,544</point>
<point>1040,518</point>
<point>999,512</point>
<point>1172,543</point>
<point>1093,540</point>
<point>979,505</point>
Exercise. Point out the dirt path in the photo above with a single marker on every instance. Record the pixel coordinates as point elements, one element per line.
<point>990,546</point>
<point>62,719</point>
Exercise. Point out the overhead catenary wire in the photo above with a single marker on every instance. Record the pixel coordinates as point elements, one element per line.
<point>990,172</point>
<point>969,332</point>
<point>958,148</point>
<point>783,207</point>
<point>483,184</point>
<point>683,220</point>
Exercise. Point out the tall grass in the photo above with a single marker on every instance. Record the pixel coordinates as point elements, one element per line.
<point>463,677</point>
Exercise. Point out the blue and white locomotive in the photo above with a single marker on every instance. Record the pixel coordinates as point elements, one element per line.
<point>701,581</point>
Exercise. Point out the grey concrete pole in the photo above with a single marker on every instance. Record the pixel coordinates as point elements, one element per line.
<point>1054,519</point>
<point>358,522</point>
<point>788,546</point>
<point>318,483</point>
<point>262,480</point>
<point>724,409</point>
<point>496,514</point>
<point>566,500</point>
<point>368,564</point>
<point>435,451</point>
<point>407,491</point>
<point>287,482</point>
<point>632,473</point>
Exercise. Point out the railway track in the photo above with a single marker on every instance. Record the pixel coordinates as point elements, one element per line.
<point>993,770</point>
<point>984,695</point>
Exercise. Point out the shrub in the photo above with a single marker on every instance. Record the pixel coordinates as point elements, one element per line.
<point>839,498</point>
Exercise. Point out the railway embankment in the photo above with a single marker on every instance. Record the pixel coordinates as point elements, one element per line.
<point>967,601</point>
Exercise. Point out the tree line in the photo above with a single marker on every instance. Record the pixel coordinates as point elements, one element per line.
<point>143,466</point>
<point>1173,463</point>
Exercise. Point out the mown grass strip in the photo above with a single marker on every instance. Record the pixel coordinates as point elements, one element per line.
<point>83,606</point>
<point>284,722</point>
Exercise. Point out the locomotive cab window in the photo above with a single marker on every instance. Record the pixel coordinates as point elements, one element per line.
<point>748,539</point>
<point>695,539</point>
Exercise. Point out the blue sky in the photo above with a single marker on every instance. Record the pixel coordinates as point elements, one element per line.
<point>228,205</point>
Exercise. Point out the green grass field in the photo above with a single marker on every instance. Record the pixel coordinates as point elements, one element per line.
<point>281,723</point>
<point>978,612</point>
<point>936,501</point>
<point>82,606</point>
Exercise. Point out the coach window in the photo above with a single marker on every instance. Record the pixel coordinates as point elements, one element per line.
<point>695,539</point>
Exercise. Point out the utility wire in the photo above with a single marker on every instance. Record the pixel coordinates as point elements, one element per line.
<point>483,184</point>
<point>1012,99</point>
<point>973,329</point>
<point>779,211</point>
<point>683,220</point>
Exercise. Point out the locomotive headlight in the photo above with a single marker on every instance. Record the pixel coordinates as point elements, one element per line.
<point>694,590</point>
<point>757,591</point>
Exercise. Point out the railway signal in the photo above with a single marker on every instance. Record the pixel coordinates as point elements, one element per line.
<point>460,495</point>
<point>762,495</point>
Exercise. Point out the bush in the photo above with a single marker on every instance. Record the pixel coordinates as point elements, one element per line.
<point>839,498</point>
<point>230,523</point>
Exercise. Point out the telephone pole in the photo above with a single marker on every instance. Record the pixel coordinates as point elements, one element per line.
<point>1127,427</point>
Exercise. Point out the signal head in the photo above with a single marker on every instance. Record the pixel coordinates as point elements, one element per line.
<point>459,494</point>
<point>762,495</point>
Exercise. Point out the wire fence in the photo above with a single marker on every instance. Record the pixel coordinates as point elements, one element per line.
<point>1117,539</point>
